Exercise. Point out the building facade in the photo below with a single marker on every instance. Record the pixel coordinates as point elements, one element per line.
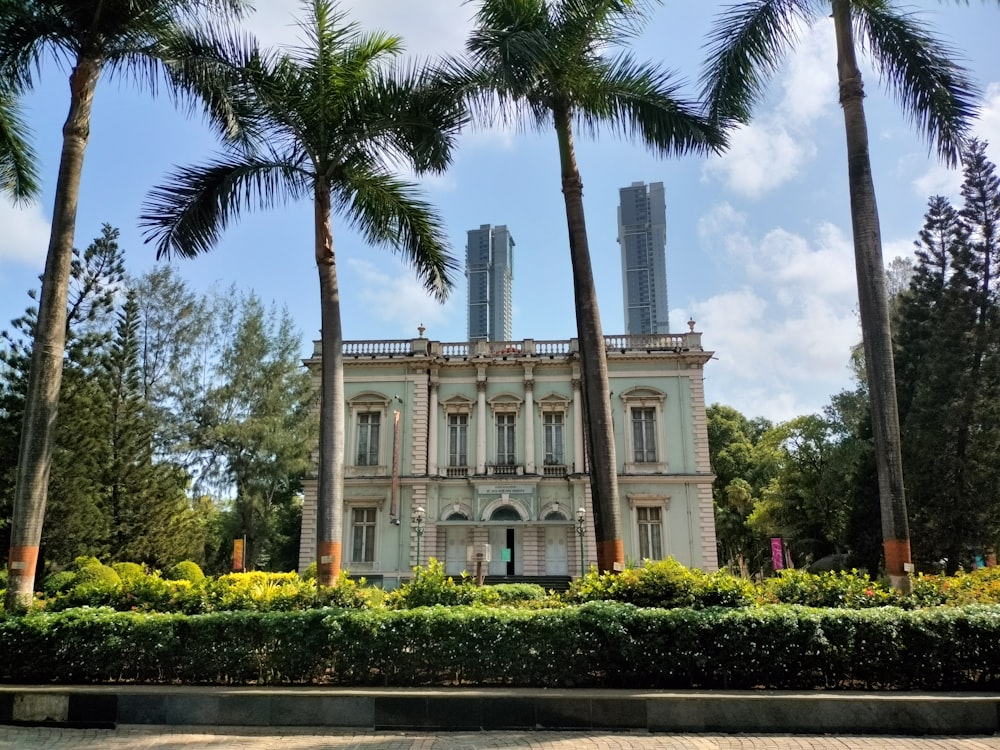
<point>642,235</point>
<point>483,443</point>
<point>489,266</point>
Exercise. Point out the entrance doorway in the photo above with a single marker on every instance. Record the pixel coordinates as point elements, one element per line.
<point>556,558</point>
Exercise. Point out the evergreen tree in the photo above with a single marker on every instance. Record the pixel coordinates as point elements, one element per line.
<point>946,343</point>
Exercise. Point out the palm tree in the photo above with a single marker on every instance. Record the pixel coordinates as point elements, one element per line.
<point>553,62</point>
<point>18,177</point>
<point>331,118</point>
<point>138,38</point>
<point>746,46</point>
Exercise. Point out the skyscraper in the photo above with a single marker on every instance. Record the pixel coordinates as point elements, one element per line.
<point>642,234</point>
<point>489,266</point>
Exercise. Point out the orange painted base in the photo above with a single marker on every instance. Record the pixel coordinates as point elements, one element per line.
<point>22,561</point>
<point>327,563</point>
<point>897,554</point>
<point>609,553</point>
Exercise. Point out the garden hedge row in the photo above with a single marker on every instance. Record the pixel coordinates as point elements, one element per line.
<point>599,644</point>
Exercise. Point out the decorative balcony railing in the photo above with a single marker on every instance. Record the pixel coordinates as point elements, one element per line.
<point>620,343</point>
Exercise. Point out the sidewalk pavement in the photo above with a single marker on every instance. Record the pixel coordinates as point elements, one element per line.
<point>503,709</point>
<point>200,738</point>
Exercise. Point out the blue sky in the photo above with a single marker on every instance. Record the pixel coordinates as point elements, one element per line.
<point>759,248</point>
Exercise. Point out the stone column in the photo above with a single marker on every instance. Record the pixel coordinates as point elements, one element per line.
<point>529,424</point>
<point>432,429</point>
<point>481,427</point>
<point>578,464</point>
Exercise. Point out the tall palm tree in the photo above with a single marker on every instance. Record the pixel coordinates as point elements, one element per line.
<point>564,64</point>
<point>332,118</point>
<point>141,39</point>
<point>18,175</point>
<point>747,44</point>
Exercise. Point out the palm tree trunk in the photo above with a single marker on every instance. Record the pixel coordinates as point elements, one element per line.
<point>330,490</point>
<point>599,425</point>
<point>873,305</point>
<point>45,375</point>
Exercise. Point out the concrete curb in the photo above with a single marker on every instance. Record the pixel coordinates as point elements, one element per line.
<point>505,709</point>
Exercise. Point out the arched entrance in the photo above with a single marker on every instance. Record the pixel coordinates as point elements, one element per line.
<point>505,542</point>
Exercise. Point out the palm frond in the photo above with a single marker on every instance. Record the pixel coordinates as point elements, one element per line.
<point>26,30</point>
<point>642,100</point>
<point>933,89</point>
<point>746,46</point>
<point>18,163</point>
<point>387,211</point>
<point>187,214</point>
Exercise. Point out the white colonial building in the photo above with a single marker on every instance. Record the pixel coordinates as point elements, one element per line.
<point>458,449</point>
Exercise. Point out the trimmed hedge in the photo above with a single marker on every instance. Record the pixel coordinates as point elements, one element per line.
<point>599,644</point>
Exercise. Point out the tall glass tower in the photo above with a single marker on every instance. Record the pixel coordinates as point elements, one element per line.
<point>642,235</point>
<point>489,266</point>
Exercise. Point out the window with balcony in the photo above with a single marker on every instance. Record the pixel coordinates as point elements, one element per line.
<point>458,441</point>
<point>552,430</point>
<point>505,448</point>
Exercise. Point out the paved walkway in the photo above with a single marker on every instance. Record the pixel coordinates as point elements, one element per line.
<point>223,738</point>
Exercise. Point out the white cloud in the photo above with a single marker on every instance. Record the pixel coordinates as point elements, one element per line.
<point>399,299</point>
<point>25,234</point>
<point>785,332</point>
<point>429,27</point>
<point>774,148</point>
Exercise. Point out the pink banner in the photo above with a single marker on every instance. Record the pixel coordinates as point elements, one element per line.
<point>777,553</point>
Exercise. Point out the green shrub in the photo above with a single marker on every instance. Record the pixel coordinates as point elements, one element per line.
<point>851,589</point>
<point>521,595</point>
<point>92,572</point>
<point>598,644</point>
<point>186,570</point>
<point>58,582</point>
<point>664,583</point>
<point>430,586</point>
<point>259,590</point>
<point>128,570</point>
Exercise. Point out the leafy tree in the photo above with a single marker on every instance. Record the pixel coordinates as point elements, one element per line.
<point>331,120</point>
<point>259,426</point>
<point>132,37</point>
<point>743,468</point>
<point>746,47</point>
<point>564,64</point>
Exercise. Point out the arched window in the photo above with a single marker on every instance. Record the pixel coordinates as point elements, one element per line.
<point>505,513</point>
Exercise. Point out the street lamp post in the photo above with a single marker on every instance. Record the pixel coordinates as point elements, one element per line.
<point>581,531</point>
<point>418,523</point>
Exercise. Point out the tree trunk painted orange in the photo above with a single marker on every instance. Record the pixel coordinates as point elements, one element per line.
<point>873,305</point>
<point>45,376</point>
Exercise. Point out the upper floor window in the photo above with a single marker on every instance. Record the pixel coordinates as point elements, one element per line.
<point>458,440</point>
<point>368,438</point>
<point>552,427</point>
<point>506,455</point>
<point>644,431</point>
<point>643,435</point>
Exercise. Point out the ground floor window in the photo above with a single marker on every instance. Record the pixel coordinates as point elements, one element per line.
<point>650,532</point>
<point>363,535</point>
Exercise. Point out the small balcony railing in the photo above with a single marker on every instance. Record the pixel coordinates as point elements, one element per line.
<point>456,472</point>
